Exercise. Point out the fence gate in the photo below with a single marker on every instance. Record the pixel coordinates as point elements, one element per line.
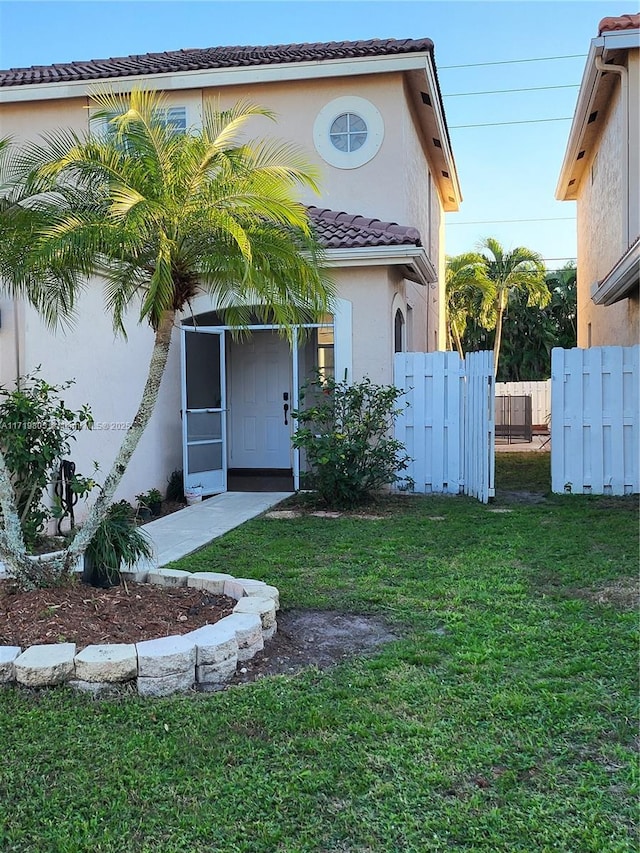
<point>479,427</point>
<point>595,420</point>
<point>448,425</point>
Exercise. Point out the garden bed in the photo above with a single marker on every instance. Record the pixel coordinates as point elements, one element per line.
<point>81,614</point>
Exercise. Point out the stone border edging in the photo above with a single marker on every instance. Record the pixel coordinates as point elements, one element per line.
<point>205,658</point>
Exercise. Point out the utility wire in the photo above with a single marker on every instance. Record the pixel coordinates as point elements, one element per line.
<point>513,61</point>
<point>498,221</point>
<point>506,91</point>
<point>501,123</point>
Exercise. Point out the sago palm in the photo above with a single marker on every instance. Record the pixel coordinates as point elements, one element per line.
<point>161,217</point>
<point>521,270</point>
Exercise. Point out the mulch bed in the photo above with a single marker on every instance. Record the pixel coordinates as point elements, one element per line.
<point>84,615</point>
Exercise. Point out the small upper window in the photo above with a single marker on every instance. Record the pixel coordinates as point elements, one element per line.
<point>174,118</point>
<point>348,132</point>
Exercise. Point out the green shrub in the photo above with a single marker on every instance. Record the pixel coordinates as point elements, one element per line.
<point>151,500</point>
<point>116,541</point>
<point>175,486</point>
<point>36,430</point>
<point>346,432</point>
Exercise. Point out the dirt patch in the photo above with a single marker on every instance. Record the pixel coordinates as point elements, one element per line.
<point>624,593</point>
<point>314,638</point>
<point>84,615</point>
<point>511,496</point>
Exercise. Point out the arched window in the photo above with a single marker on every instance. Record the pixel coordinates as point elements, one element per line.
<point>398,332</point>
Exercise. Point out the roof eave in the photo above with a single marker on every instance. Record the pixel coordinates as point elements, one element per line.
<point>213,77</point>
<point>433,125</point>
<point>414,259</point>
<point>591,79</point>
<point>621,281</point>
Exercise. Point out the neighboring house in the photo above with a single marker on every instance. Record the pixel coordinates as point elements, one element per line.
<point>370,114</point>
<point>601,171</point>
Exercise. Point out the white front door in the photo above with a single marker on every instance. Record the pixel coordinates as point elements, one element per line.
<point>260,386</point>
<point>204,427</point>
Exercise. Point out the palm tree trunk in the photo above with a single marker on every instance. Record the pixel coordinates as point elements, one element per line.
<point>12,548</point>
<point>456,335</point>
<point>498,338</point>
<point>134,434</point>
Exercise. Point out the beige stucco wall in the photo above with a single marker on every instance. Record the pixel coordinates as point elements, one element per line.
<point>110,372</point>
<point>600,222</point>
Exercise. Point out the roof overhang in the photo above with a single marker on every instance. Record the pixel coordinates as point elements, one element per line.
<point>418,67</point>
<point>413,261</point>
<point>214,77</point>
<point>593,97</point>
<point>429,113</point>
<point>621,281</point>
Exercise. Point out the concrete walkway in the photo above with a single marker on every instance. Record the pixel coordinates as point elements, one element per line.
<point>185,531</point>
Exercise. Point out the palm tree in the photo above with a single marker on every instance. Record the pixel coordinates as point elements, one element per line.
<point>563,306</point>
<point>504,273</point>
<point>161,217</point>
<point>467,295</point>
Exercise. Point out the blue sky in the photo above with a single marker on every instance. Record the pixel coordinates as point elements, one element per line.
<point>507,172</point>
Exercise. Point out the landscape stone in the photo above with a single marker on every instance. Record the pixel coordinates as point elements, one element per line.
<point>165,685</point>
<point>216,673</point>
<point>131,576</point>
<point>215,643</point>
<point>166,656</point>
<point>168,577</point>
<point>265,591</point>
<point>8,655</point>
<point>248,628</point>
<point>41,666</point>
<point>234,589</point>
<point>263,607</point>
<point>107,663</point>
<point>212,582</point>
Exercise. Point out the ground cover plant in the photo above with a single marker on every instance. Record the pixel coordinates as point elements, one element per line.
<point>501,719</point>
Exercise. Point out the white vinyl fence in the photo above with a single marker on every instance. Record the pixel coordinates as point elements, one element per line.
<point>447,427</point>
<point>540,393</point>
<point>479,426</point>
<point>595,421</point>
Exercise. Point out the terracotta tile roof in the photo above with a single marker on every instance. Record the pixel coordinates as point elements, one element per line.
<point>198,59</point>
<point>623,22</point>
<point>339,230</point>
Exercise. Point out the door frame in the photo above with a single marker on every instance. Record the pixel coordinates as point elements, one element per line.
<point>342,329</point>
<point>220,333</point>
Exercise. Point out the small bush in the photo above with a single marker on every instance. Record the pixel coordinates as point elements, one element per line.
<point>36,430</point>
<point>346,432</point>
<point>175,486</point>
<point>116,541</point>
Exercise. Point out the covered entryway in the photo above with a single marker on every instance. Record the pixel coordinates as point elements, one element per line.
<point>238,393</point>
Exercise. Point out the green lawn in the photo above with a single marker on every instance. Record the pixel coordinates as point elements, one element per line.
<point>503,719</point>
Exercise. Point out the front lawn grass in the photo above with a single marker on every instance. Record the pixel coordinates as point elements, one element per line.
<point>502,719</point>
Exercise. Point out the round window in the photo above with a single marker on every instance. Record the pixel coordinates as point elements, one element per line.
<point>348,132</point>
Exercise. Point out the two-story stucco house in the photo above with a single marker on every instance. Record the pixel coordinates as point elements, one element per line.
<point>601,171</point>
<point>370,115</point>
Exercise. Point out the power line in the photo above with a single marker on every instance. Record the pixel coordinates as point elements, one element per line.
<point>500,123</point>
<point>506,91</point>
<point>513,61</point>
<point>502,221</point>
